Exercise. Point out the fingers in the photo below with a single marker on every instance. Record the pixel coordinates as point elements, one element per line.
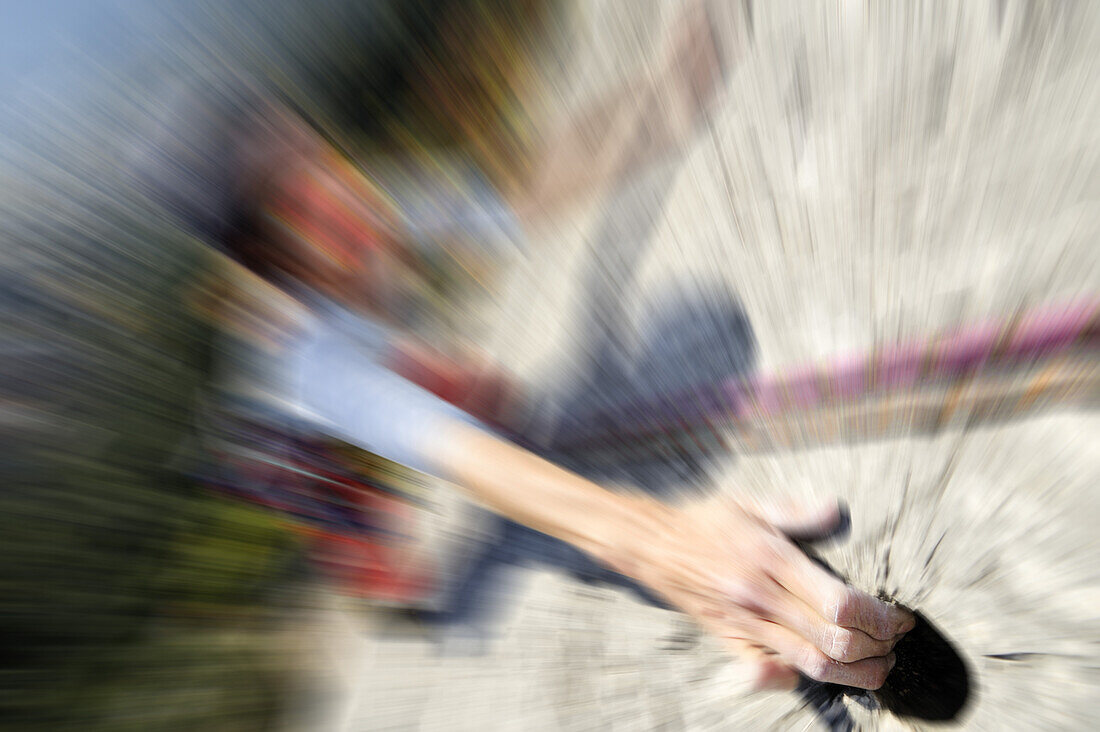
<point>771,673</point>
<point>846,645</point>
<point>774,596</point>
<point>869,673</point>
<point>801,520</point>
<point>834,601</point>
<point>772,602</point>
<point>746,633</point>
<point>854,609</point>
<point>831,598</point>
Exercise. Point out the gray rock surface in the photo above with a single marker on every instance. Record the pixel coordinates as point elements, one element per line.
<point>868,173</point>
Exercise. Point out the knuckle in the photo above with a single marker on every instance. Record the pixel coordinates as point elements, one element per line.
<point>841,643</point>
<point>752,594</point>
<point>843,606</point>
<point>878,676</point>
<point>815,664</point>
<point>822,669</point>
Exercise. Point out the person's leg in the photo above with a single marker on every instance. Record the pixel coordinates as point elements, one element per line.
<point>688,340</point>
<point>467,601</point>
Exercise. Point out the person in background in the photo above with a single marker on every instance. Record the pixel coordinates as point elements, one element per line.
<point>310,224</point>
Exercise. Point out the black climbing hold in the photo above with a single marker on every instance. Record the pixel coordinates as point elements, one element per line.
<point>930,680</point>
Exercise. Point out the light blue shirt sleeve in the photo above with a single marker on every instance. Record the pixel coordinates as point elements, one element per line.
<point>340,382</point>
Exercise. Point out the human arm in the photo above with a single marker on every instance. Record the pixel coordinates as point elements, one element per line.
<point>728,564</point>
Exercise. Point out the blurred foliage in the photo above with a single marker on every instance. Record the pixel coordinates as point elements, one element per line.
<point>132,598</point>
<point>398,76</point>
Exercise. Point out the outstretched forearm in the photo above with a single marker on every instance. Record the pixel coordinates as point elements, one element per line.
<point>526,488</point>
<point>728,564</point>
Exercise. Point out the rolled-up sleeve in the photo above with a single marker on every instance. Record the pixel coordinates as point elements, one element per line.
<point>356,399</point>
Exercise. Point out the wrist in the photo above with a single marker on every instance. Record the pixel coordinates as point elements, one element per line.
<point>623,531</point>
<point>630,532</point>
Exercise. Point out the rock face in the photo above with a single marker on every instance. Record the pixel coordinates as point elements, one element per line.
<point>869,174</point>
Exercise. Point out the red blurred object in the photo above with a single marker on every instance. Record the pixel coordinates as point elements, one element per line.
<point>478,388</point>
<point>359,513</point>
<point>362,566</point>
